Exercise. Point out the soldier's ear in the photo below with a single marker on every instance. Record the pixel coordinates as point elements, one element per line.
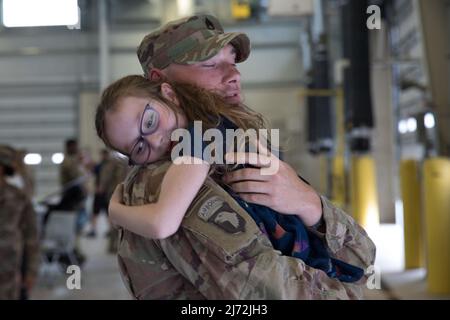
<point>155,74</point>
<point>168,93</point>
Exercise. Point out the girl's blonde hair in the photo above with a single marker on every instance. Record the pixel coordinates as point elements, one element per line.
<point>196,103</point>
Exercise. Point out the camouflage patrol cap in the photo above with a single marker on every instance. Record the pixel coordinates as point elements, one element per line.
<point>189,40</point>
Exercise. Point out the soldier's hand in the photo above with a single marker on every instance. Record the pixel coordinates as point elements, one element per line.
<point>279,188</point>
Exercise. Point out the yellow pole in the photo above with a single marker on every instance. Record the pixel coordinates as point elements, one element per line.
<point>240,9</point>
<point>437,223</point>
<point>364,199</point>
<point>412,207</point>
<point>338,174</point>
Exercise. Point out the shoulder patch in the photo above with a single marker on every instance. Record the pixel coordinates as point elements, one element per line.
<point>220,223</point>
<point>215,210</point>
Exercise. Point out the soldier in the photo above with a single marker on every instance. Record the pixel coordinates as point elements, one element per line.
<point>18,234</point>
<point>100,203</point>
<point>112,174</point>
<point>202,260</point>
<point>72,178</point>
<point>24,172</point>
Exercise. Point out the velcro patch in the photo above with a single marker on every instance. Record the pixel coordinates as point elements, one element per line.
<point>215,210</point>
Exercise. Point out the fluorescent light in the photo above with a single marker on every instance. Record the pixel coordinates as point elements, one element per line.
<point>185,7</point>
<point>429,121</point>
<point>402,127</point>
<point>32,159</point>
<point>34,13</point>
<point>57,158</point>
<point>411,124</point>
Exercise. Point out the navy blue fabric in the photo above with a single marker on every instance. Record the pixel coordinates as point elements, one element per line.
<point>287,233</point>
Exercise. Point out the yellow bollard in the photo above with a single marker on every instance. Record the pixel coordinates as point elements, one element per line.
<point>412,208</point>
<point>364,199</point>
<point>339,182</point>
<point>240,9</point>
<point>436,173</point>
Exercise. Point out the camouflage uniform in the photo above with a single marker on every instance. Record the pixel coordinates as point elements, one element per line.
<point>215,257</point>
<point>18,238</point>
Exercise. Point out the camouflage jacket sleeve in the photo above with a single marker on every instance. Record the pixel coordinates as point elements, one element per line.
<point>345,239</point>
<point>30,239</point>
<point>227,265</point>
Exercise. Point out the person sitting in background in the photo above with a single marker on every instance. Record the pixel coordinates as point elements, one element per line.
<point>73,194</point>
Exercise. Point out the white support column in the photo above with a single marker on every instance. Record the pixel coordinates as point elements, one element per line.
<point>103,44</point>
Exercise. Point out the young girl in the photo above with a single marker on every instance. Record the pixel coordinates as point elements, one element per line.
<point>137,117</point>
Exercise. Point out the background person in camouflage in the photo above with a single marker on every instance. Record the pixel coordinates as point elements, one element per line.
<point>109,172</point>
<point>18,234</point>
<point>174,267</point>
<point>112,172</point>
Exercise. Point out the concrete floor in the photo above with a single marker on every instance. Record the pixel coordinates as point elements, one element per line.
<point>410,285</point>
